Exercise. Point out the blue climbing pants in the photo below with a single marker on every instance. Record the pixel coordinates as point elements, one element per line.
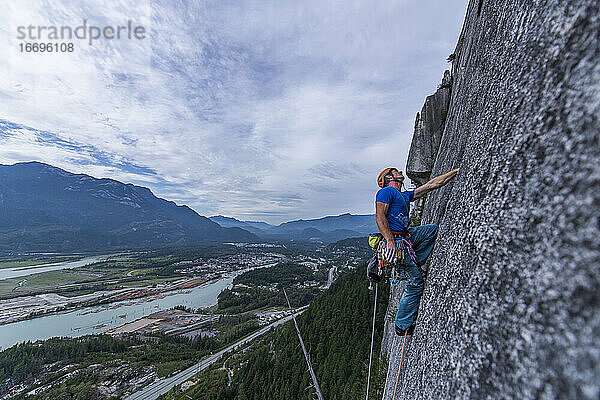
<point>423,239</point>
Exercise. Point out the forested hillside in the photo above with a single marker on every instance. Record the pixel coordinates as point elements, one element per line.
<point>337,331</point>
<point>103,367</point>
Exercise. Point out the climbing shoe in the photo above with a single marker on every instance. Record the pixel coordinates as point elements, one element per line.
<point>402,332</point>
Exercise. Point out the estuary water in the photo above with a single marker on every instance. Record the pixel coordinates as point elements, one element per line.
<point>99,319</point>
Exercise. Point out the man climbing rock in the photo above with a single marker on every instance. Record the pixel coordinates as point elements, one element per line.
<point>403,249</point>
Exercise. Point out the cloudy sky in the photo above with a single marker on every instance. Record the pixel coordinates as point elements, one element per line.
<point>260,110</point>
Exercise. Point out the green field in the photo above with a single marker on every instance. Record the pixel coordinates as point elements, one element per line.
<point>52,281</point>
<point>132,270</point>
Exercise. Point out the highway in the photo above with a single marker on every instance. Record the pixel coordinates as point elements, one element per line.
<point>162,386</point>
<point>330,276</point>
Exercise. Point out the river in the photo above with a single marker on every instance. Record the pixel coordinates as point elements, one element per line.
<point>6,273</point>
<point>99,319</point>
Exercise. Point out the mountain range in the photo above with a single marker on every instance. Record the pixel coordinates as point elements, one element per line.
<point>327,229</point>
<point>46,209</point>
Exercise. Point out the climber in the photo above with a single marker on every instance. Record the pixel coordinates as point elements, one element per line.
<point>416,243</point>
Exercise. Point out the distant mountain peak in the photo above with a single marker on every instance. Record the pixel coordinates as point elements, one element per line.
<point>328,229</point>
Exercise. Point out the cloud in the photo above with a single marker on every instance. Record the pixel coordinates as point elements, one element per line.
<point>270,109</point>
<point>331,170</point>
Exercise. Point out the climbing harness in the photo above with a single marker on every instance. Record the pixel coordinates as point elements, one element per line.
<point>396,261</point>
<point>405,248</point>
<point>400,366</point>
<point>372,338</point>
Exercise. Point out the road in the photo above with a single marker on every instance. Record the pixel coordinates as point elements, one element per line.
<point>330,277</point>
<point>190,327</point>
<point>162,386</point>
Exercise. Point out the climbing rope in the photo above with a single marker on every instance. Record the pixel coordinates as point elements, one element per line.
<point>400,367</point>
<point>372,337</point>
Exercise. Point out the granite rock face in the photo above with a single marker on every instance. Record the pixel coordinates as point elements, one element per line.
<point>427,136</point>
<point>511,308</point>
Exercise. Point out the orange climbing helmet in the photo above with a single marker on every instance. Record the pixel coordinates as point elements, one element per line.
<point>383,174</point>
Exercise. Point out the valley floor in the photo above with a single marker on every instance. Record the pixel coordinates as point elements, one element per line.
<point>169,333</point>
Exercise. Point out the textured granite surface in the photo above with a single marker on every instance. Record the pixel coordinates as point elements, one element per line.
<point>427,136</point>
<point>511,308</point>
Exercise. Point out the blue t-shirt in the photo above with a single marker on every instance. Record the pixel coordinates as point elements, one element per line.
<point>399,210</point>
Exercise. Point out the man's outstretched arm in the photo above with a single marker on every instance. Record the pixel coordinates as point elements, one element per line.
<point>435,183</point>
